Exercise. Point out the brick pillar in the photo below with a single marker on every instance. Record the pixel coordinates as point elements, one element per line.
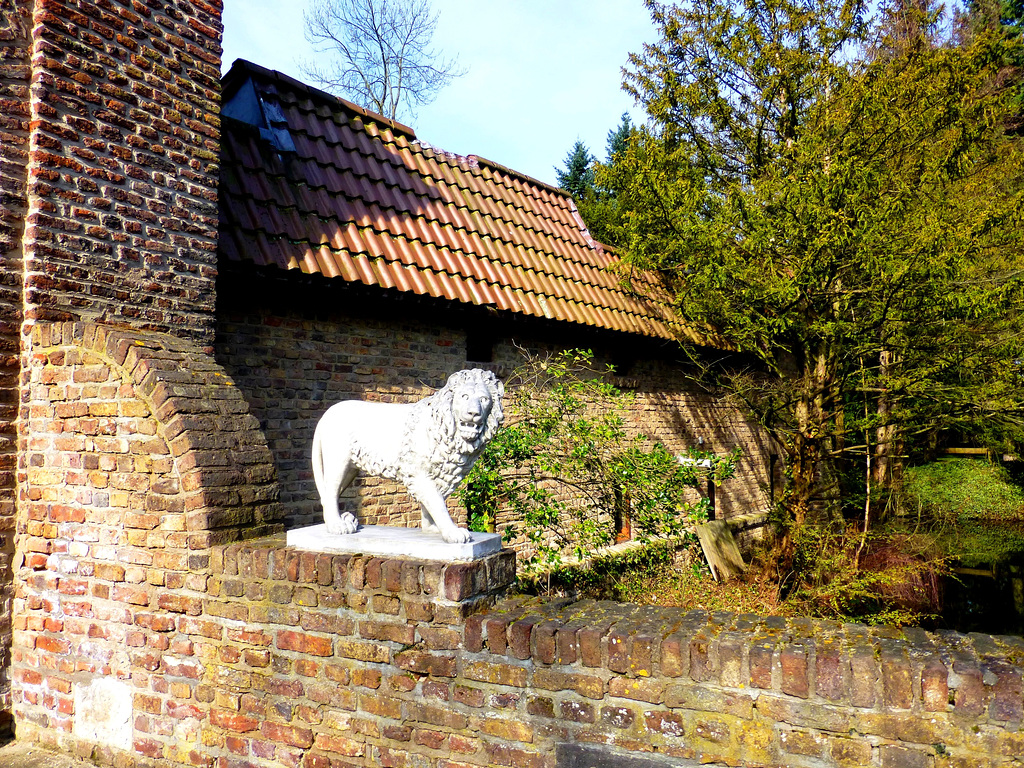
<point>123,169</point>
<point>15,43</point>
<point>139,457</point>
<point>109,144</point>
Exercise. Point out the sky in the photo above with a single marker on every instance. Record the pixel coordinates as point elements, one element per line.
<point>541,73</point>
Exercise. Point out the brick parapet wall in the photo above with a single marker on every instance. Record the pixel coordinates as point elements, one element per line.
<point>273,652</point>
<point>124,163</point>
<point>287,658</point>
<point>749,690</point>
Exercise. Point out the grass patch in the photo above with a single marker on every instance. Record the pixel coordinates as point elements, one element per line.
<point>974,509</point>
<point>957,490</point>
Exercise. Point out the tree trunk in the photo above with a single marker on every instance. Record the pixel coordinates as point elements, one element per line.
<point>804,478</point>
<point>887,463</point>
<point>809,464</point>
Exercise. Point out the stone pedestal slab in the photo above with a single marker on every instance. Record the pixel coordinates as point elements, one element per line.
<point>393,541</point>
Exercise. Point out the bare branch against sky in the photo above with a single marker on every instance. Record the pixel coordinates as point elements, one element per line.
<point>378,53</point>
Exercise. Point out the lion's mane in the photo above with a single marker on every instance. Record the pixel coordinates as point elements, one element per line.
<point>434,419</point>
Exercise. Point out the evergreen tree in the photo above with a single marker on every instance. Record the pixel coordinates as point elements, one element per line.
<point>1005,17</point>
<point>851,224</point>
<point>618,137</point>
<point>577,175</point>
<point>598,205</point>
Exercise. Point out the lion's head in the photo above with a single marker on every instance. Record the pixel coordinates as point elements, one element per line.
<point>468,408</point>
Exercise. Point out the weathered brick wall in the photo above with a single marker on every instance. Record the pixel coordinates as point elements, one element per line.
<point>291,369</point>
<point>109,163</point>
<point>15,43</point>
<point>138,455</point>
<point>122,184</point>
<point>131,430</point>
<point>282,659</point>
<point>294,357</point>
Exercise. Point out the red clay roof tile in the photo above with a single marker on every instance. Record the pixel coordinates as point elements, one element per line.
<point>361,200</point>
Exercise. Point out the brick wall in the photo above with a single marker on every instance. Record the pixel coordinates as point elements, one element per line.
<point>15,42</point>
<point>291,368</point>
<point>138,455</point>
<point>136,440</point>
<point>123,171</point>
<point>281,658</point>
<point>293,354</point>
<point>109,163</point>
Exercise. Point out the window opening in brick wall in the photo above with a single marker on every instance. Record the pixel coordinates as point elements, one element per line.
<point>479,347</point>
<point>623,529</point>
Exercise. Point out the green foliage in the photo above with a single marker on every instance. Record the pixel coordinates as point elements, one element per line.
<point>603,577</point>
<point>974,509</point>
<point>851,222</point>
<point>981,543</point>
<point>670,573</point>
<point>619,136</point>
<point>583,178</point>
<point>577,175</point>
<point>963,489</point>
<point>1007,17</point>
<point>1012,18</point>
<point>565,462</point>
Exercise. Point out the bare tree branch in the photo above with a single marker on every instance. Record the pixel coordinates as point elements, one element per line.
<point>378,53</point>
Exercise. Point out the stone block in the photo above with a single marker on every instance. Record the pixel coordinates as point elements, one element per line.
<point>850,753</point>
<point>830,673</point>
<point>761,656</point>
<point>793,663</point>
<point>637,689</point>
<point>897,688</point>
<point>864,674</point>
<point>498,674</point>
<point>893,756</point>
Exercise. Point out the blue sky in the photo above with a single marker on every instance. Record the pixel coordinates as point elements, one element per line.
<point>541,72</point>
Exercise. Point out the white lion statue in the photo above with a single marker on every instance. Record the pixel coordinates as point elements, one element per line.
<point>428,446</point>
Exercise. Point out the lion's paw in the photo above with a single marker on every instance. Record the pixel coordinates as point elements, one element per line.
<point>456,535</point>
<point>345,524</point>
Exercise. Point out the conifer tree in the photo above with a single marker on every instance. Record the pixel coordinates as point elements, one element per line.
<point>577,175</point>
<point>618,137</point>
<point>848,226</point>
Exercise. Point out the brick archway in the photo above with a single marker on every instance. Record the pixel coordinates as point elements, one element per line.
<point>138,455</point>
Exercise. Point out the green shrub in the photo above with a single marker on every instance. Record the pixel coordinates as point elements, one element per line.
<point>565,463</point>
<point>668,573</point>
<point>887,577</point>
<point>609,576</point>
